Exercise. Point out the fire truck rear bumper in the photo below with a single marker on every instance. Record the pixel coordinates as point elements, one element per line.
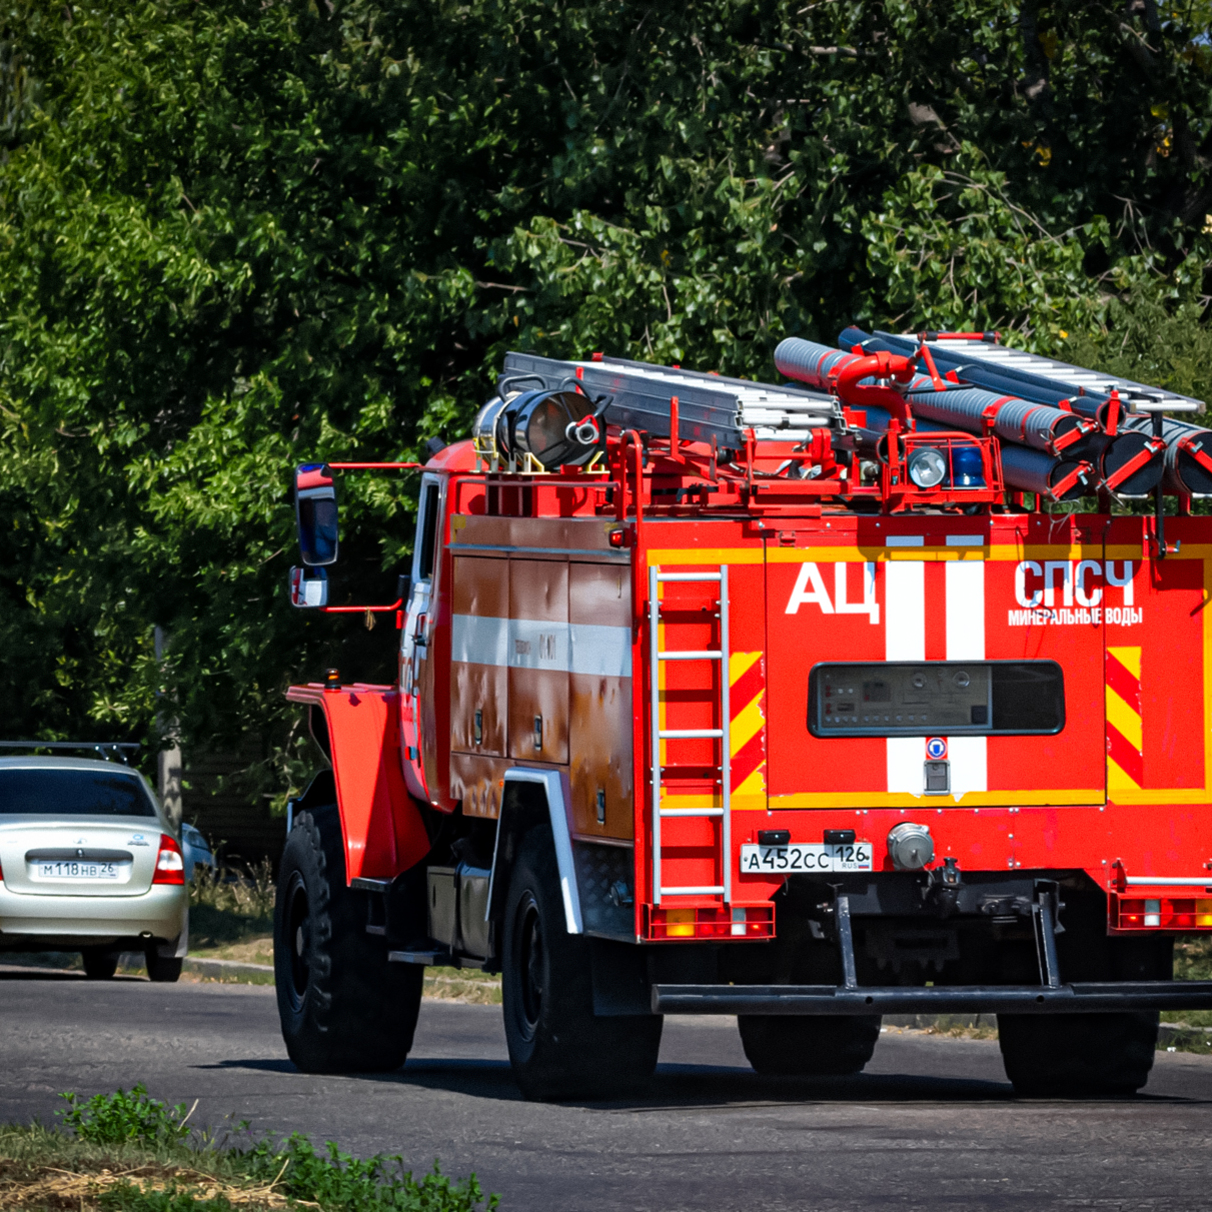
<point>957,999</point>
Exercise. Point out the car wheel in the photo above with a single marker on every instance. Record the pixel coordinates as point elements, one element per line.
<point>557,1046</point>
<point>99,964</point>
<point>163,969</point>
<point>344,1008</point>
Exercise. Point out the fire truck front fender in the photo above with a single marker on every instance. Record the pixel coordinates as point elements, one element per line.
<point>530,798</point>
<point>381,824</point>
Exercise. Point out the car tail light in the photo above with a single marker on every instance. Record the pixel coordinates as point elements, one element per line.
<point>170,866</point>
<point>711,922</point>
<point>1161,912</point>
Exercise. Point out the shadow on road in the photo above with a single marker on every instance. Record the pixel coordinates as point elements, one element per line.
<point>674,1085</point>
<point>64,974</point>
<point>709,1087</point>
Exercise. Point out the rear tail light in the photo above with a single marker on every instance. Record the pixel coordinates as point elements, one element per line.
<point>1161,913</point>
<point>170,866</point>
<point>711,922</point>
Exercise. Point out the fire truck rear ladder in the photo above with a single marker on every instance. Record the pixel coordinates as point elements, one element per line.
<point>724,810</point>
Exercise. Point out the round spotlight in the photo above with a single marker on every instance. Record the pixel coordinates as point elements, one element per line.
<point>910,846</point>
<point>927,468</point>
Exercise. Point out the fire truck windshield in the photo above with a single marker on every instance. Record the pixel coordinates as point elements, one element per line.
<point>921,698</point>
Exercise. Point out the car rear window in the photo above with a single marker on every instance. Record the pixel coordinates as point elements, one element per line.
<point>72,793</point>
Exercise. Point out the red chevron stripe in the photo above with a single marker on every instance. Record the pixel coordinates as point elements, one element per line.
<point>1125,756</point>
<point>747,687</point>
<point>1122,681</point>
<point>750,756</point>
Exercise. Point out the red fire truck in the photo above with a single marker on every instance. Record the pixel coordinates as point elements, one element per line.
<point>803,703</point>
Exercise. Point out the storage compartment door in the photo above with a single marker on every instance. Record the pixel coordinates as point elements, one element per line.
<point>479,677</point>
<point>538,654</point>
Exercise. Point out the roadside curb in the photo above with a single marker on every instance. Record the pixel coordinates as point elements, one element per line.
<point>227,968</point>
<point>1175,1035</point>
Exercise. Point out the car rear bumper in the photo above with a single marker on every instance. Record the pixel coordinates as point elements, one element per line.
<point>33,922</point>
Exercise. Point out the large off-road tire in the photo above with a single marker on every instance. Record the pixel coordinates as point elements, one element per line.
<point>558,1047</point>
<point>1077,1055</point>
<point>100,964</point>
<point>163,969</point>
<point>1088,1055</point>
<point>344,1008</point>
<point>808,1045</point>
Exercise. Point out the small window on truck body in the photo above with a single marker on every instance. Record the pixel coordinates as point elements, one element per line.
<point>928,698</point>
<point>427,530</point>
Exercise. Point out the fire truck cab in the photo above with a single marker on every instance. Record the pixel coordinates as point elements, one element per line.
<point>803,703</point>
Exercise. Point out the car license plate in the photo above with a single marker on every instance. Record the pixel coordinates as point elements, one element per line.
<point>806,856</point>
<point>75,871</point>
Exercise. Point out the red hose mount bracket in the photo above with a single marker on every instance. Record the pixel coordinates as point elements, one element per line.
<point>894,373</point>
<point>1134,464</point>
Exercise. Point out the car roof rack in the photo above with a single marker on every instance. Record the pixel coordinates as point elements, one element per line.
<point>109,750</point>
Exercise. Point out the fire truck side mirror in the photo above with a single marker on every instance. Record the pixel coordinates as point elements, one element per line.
<point>308,587</point>
<point>316,514</point>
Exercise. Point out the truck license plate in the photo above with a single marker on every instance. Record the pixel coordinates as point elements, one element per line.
<point>75,871</point>
<point>806,856</point>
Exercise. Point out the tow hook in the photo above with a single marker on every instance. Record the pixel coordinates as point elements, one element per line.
<point>943,891</point>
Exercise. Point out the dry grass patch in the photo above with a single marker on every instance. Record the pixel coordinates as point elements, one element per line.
<point>128,1152</point>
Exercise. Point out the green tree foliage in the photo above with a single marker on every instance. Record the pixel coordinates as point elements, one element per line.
<point>240,235</point>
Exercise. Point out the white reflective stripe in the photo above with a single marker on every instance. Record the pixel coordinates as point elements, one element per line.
<point>905,759</point>
<point>483,641</point>
<point>538,645</point>
<point>587,648</point>
<point>905,640</point>
<point>905,610</point>
<point>600,651</point>
<point>965,610</point>
<point>965,580</point>
<point>969,764</point>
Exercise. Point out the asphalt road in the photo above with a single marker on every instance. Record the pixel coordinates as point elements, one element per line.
<point>931,1124</point>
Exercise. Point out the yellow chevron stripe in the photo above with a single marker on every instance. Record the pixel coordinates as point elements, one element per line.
<point>1129,658</point>
<point>1124,720</point>
<point>746,724</point>
<point>1118,780</point>
<point>754,785</point>
<point>750,803</point>
<point>739,664</point>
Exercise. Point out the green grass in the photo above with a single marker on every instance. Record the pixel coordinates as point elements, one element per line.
<point>1193,957</point>
<point>126,1152</point>
<point>1192,962</point>
<point>227,909</point>
<point>231,918</point>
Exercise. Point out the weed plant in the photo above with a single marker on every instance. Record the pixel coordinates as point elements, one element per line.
<point>112,1119</point>
<point>246,893</point>
<point>128,1152</point>
<point>228,904</point>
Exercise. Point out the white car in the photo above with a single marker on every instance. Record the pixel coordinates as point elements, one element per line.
<point>89,862</point>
